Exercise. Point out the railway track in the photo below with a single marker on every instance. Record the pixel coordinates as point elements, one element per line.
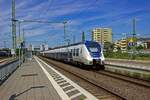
<point>125,78</point>
<point>139,73</point>
<point>120,86</point>
<point>100,93</point>
<point>3,60</point>
<point>126,67</point>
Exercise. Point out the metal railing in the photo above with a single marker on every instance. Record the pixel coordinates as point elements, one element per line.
<point>7,69</point>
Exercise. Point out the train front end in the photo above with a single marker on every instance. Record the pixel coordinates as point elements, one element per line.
<point>95,52</point>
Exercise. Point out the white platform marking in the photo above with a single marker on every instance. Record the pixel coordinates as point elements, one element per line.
<point>60,81</point>
<point>83,91</point>
<point>78,94</point>
<point>70,90</point>
<point>63,83</point>
<point>66,86</point>
<point>59,90</point>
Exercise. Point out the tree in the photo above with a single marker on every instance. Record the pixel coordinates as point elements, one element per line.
<point>140,47</point>
<point>119,49</point>
<point>108,46</point>
<point>128,47</point>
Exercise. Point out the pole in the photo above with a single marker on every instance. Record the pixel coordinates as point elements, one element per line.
<point>19,56</point>
<point>134,27</point>
<point>13,25</point>
<point>74,39</point>
<point>65,37</point>
<point>134,37</point>
<point>83,36</point>
<point>101,38</point>
<point>23,35</point>
<point>19,30</point>
<point>125,37</point>
<point>19,45</point>
<point>4,44</point>
<point>23,47</point>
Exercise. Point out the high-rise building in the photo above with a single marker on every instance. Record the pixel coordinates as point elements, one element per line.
<point>102,35</point>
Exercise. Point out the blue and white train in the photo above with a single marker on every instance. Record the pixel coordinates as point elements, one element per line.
<point>83,53</point>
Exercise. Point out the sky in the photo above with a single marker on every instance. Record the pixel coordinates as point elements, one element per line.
<point>81,15</point>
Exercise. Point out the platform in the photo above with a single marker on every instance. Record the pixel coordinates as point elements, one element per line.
<point>36,80</point>
<point>133,68</point>
<point>135,64</point>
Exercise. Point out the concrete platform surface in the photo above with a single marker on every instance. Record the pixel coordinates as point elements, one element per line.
<point>36,80</point>
<point>28,82</point>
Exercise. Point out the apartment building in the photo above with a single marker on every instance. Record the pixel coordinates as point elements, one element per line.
<point>102,35</point>
<point>121,44</point>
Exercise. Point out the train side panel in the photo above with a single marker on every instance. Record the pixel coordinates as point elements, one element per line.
<point>77,54</point>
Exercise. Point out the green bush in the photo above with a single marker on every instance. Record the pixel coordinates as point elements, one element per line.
<point>116,55</point>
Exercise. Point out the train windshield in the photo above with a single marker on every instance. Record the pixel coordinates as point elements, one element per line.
<point>93,49</point>
<point>93,46</point>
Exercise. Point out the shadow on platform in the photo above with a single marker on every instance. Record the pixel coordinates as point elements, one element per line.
<point>13,97</point>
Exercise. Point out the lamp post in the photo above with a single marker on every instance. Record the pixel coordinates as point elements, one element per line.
<point>13,28</point>
<point>134,38</point>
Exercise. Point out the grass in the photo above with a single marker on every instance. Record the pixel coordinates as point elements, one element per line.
<point>119,55</point>
<point>146,76</point>
<point>134,74</point>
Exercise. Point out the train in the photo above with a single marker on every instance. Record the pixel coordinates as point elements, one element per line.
<point>5,53</point>
<point>89,53</point>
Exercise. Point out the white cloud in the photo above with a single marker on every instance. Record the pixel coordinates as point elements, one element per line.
<point>56,10</point>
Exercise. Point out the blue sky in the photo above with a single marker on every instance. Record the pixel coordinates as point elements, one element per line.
<point>82,15</point>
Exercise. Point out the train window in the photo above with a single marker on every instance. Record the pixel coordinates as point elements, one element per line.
<point>77,52</point>
<point>93,49</point>
<point>71,50</point>
<point>74,52</point>
<point>81,50</point>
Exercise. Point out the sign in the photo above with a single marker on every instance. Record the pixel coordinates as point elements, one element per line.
<point>131,40</point>
<point>13,52</point>
<point>19,40</point>
<point>131,44</point>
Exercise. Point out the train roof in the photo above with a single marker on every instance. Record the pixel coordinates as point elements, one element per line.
<point>86,42</point>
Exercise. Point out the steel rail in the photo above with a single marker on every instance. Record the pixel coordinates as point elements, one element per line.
<point>84,78</point>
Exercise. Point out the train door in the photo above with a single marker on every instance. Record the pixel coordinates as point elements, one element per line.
<point>71,54</point>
